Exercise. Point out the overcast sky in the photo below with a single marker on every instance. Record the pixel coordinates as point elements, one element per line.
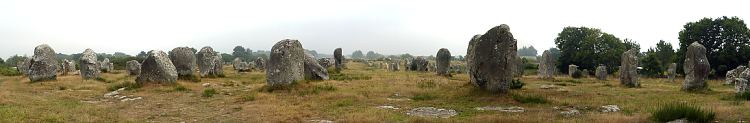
<point>384,26</point>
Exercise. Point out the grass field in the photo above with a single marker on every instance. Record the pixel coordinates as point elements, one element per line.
<point>242,97</point>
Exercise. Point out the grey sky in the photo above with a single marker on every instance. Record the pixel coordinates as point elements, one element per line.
<point>385,26</point>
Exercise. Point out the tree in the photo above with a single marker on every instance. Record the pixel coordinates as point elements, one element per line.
<point>555,53</point>
<point>588,47</point>
<point>242,53</point>
<point>664,54</point>
<point>2,62</point>
<point>527,51</point>
<point>357,54</point>
<point>226,57</point>
<point>14,60</point>
<point>651,64</point>
<point>727,42</point>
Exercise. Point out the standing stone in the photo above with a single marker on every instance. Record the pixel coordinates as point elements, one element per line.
<point>105,65</point>
<point>518,70</point>
<point>601,72</point>
<point>393,65</point>
<point>68,67</point>
<point>470,57</point>
<point>491,59</point>
<point>43,65</point>
<point>313,70</point>
<point>157,69</point>
<point>184,60</point>
<point>90,68</point>
<point>546,66</point>
<point>696,68</point>
<point>209,62</point>
<point>741,83</point>
<point>443,61</point>
<point>629,69</point>
<point>419,64</point>
<point>133,67</point>
<point>23,65</point>
<point>286,63</point>
<point>325,62</point>
<point>260,64</point>
<point>572,70</point>
<point>672,72</point>
<point>236,62</point>
<point>733,75</point>
<point>242,67</point>
<point>338,59</point>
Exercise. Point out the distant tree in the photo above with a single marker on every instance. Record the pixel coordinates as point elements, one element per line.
<point>406,56</point>
<point>14,60</point>
<point>555,53</point>
<point>357,54</point>
<point>242,53</point>
<point>651,64</point>
<point>227,57</point>
<point>2,62</point>
<point>373,55</point>
<point>141,56</point>
<point>527,51</point>
<point>727,42</point>
<point>588,47</point>
<point>665,54</point>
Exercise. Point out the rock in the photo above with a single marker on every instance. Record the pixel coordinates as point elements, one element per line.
<point>672,72</point>
<point>260,64</point>
<point>286,63</point>
<point>696,68</point>
<point>548,87</point>
<point>388,107</point>
<point>184,60</point>
<point>610,108</point>
<point>732,75</point>
<point>209,62</point>
<point>741,83</point>
<point>133,67</point>
<point>313,70</point>
<point>585,72</point>
<point>338,59</point>
<point>572,70</point>
<point>157,69</point>
<point>518,69</point>
<point>681,120</point>
<point>393,65</point>
<point>326,62</point>
<point>43,65</point>
<point>321,121</point>
<point>23,65</point>
<point>601,72</point>
<point>512,109</point>
<point>419,64</point>
<point>491,64</point>
<point>243,67</point>
<point>236,62</point>
<point>570,113</point>
<point>90,68</point>
<point>547,66</point>
<point>629,69</point>
<point>206,84</point>
<point>113,93</point>
<point>432,112</point>
<point>105,67</point>
<point>68,67</point>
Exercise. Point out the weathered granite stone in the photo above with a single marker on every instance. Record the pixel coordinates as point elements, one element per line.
<point>572,70</point>
<point>547,65</point>
<point>209,62</point>
<point>338,59</point>
<point>157,69</point>
<point>133,67</point>
<point>90,68</point>
<point>629,69</point>
<point>313,70</point>
<point>491,59</point>
<point>286,63</point>
<point>43,65</point>
<point>601,72</point>
<point>23,65</point>
<point>184,60</point>
<point>696,68</point>
<point>419,64</point>
<point>672,72</point>
<point>68,67</point>
<point>732,75</point>
<point>105,67</point>
<point>260,64</point>
<point>326,62</point>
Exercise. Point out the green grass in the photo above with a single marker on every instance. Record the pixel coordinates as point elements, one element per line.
<point>423,96</point>
<point>672,111</point>
<point>181,88</point>
<point>530,99</point>
<point>742,96</point>
<point>126,85</point>
<point>426,84</point>
<point>209,92</point>
<point>8,71</point>
<point>192,78</point>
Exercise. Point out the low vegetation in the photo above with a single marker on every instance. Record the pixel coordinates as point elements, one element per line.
<point>673,111</point>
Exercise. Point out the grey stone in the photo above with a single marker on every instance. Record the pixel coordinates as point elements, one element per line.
<point>157,69</point>
<point>696,68</point>
<point>419,64</point>
<point>629,69</point>
<point>601,72</point>
<point>741,83</point>
<point>133,67</point>
<point>393,65</point>
<point>672,72</point>
<point>511,109</point>
<point>491,59</point>
<point>326,62</point>
<point>572,69</point>
<point>209,62</point>
<point>733,74</point>
<point>43,65</point>
<point>105,67</point>
<point>68,67</point>
<point>432,112</point>
<point>23,65</point>
<point>184,60</point>
<point>313,70</point>
<point>338,59</point>
<point>90,68</point>
<point>547,65</point>
<point>286,63</point>
<point>518,70</point>
<point>260,64</point>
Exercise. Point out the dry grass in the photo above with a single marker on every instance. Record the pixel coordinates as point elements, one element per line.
<point>240,97</point>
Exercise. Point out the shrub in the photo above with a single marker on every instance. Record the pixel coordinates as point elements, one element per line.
<point>673,111</point>
<point>181,88</point>
<point>516,84</point>
<point>209,92</point>
<point>742,96</point>
<point>529,98</point>
<point>577,74</point>
<point>126,85</point>
<point>8,71</point>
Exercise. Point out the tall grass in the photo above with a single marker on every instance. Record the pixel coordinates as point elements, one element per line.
<point>673,111</point>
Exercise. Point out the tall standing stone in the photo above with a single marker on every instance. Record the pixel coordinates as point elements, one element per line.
<point>260,64</point>
<point>209,62</point>
<point>672,72</point>
<point>236,62</point>
<point>629,69</point>
<point>133,67</point>
<point>184,60</point>
<point>419,64</point>
<point>572,70</point>
<point>313,70</point>
<point>443,61</point>
<point>696,68</point>
<point>733,74</point>
<point>157,69</point>
<point>23,65</point>
<point>601,72</point>
<point>338,59</point>
<point>741,82</point>
<point>105,65</point>
<point>43,65</point>
<point>491,59</point>
<point>546,65</point>
<point>90,68</point>
<point>286,63</point>
<point>68,67</point>
<point>518,70</point>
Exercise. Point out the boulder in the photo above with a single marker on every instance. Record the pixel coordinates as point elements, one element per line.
<point>733,75</point>
<point>313,70</point>
<point>157,69</point>
<point>338,59</point>
<point>184,60</point>
<point>573,70</point>
<point>672,72</point>
<point>43,65</point>
<point>260,64</point>
<point>242,67</point>
<point>286,63</point>
<point>518,70</point>
<point>491,59</point>
<point>133,67</point>
<point>90,68</point>
<point>209,62</point>
<point>326,62</point>
<point>696,68</point>
<point>105,67</point>
<point>23,65</point>
<point>68,67</point>
<point>419,64</point>
<point>236,62</point>
<point>741,83</point>
<point>547,65</point>
<point>601,72</point>
<point>629,69</point>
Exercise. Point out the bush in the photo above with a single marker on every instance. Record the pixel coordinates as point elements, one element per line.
<point>530,98</point>
<point>577,74</point>
<point>516,84</point>
<point>673,111</point>
<point>181,88</point>
<point>209,92</point>
<point>742,96</point>
<point>126,85</point>
<point>8,71</point>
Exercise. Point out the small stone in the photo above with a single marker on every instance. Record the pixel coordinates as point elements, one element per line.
<point>610,108</point>
<point>432,112</point>
<point>388,107</point>
<point>570,113</point>
<point>512,109</point>
<point>206,84</point>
